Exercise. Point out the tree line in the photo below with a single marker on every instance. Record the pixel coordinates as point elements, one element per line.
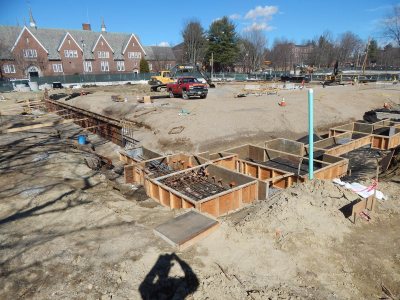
<point>223,48</point>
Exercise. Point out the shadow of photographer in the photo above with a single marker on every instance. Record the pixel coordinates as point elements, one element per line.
<point>158,284</point>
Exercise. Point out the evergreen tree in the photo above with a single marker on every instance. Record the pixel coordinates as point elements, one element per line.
<point>144,66</point>
<point>373,51</point>
<point>223,43</point>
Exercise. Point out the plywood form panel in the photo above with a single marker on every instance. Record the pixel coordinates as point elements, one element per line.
<point>175,201</point>
<point>187,204</point>
<point>128,174</point>
<point>164,197</point>
<point>211,207</point>
<point>226,204</point>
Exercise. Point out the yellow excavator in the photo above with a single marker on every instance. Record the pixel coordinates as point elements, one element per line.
<point>160,81</point>
<point>162,77</point>
<point>334,78</point>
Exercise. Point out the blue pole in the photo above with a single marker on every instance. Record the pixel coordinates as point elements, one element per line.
<point>310,133</point>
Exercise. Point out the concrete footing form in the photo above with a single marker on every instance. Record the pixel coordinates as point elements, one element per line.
<point>219,183</point>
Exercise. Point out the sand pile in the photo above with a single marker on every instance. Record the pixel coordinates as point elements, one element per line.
<point>284,247</point>
<point>312,207</point>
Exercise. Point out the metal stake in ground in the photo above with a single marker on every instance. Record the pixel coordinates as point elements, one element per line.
<point>311,134</point>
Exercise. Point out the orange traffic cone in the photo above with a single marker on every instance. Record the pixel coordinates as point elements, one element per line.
<point>282,103</point>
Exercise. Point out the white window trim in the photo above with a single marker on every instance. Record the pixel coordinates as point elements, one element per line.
<point>104,66</point>
<point>120,66</point>
<point>57,68</point>
<point>9,69</point>
<point>135,55</point>
<point>103,54</point>
<point>87,66</point>
<point>29,53</point>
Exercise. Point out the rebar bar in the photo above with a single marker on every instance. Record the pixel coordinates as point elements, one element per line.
<point>195,184</point>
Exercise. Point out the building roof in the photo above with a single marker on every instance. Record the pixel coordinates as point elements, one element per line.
<point>52,38</point>
<point>8,36</point>
<point>159,53</point>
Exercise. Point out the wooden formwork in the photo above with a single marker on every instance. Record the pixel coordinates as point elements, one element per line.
<point>384,134</point>
<point>343,143</point>
<point>281,170</point>
<point>137,173</point>
<point>387,123</point>
<point>352,127</point>
<point>244,192</point>
<point>334,167</point>
<point>223,159</point>
<point>285,145</point>
<point>137,154</point>
<point>385,137</point>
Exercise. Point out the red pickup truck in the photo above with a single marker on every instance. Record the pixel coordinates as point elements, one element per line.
<point>187,87</point>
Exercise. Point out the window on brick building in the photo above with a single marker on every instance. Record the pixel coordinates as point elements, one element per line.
<point>87,66</point>
<point>57,68</point>
<point>135,55</point>
<point>103,54</point>
<point>120,66</point>
<point>30,53</point>
<point>9,69</point>
<point>104,66</point>
<point>150,67</point>
<point>71,53</point>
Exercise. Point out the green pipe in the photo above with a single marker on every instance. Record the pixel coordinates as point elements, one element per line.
<point>311,133</point>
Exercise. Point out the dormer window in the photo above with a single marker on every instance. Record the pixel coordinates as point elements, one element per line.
<point>134,55</point>
<point>103,54</point>
<point>71,53</point>
<point>30,53</point>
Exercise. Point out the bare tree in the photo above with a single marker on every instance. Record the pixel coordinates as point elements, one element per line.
<point>323,54</point>
<point>391,25</point>
<point>194,41</point>
<point>281,55</point>
<point>348,47</point>
<point>252,47</point>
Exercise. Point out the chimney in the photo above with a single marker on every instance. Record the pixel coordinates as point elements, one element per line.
<point>86,26</point>
<point>103,26</point>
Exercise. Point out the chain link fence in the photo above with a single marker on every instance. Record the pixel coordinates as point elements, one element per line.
<point>88,79</point>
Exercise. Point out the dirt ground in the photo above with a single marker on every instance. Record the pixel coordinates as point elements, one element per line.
<point>69,232</point>
<point>221,119</point>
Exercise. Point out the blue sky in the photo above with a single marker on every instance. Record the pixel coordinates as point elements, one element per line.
<point>160,22</point>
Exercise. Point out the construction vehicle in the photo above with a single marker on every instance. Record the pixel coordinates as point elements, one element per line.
<point>162,77</point>
<point>176,72</point>
<point>333,78</point>
<point>300,74</point>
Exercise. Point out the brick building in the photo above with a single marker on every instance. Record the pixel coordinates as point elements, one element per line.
<point>27,52</point>
<point>301,53</point>
<point>160,58</point>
